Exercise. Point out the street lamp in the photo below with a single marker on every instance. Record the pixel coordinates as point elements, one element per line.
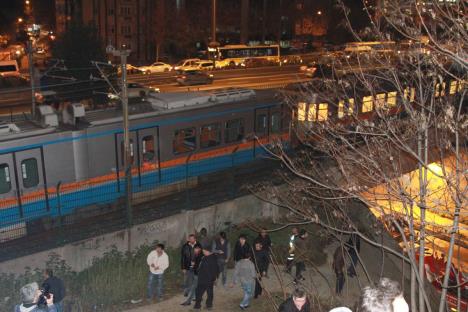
<point>20,20</point>
<point>319,12</point>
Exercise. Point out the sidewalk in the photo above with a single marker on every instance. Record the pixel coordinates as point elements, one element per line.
<point>228,299</point>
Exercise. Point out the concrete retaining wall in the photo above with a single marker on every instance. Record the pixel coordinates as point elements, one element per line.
<point>171,231</point>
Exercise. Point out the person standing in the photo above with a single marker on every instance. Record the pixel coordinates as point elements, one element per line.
<point>290,258</point>
<point>186,260</point>
<point>300,251</point>
<point>192,274</point>
<point>222,249</point>
<point>244,273</point>
<point>261,264</point>
<point>265,240</point>
<point>354,247</point>
<point>338,267</point>
<point>207,274</point>
<point>241,248</point>
<point>54,285</point>
<point>204,238</point>
<point>298,302</point>
<point>158,262</point>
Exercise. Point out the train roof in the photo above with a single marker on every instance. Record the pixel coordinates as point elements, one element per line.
<point>48,120</point>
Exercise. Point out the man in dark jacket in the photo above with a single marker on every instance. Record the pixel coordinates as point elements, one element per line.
<point>222,249</point>
<point>338,267</point>
<point>265,240</point>
<point>192,274</point>
<point>300,249</point>
<point>186,260</point>
<point>354,247</point>
<point>261,263</point>
<point>207,274</point>
<point>54,285</point>
<point>297,303</point>
<point>241,248</point>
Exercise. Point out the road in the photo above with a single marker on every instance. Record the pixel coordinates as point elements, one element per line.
<point>19,100</point>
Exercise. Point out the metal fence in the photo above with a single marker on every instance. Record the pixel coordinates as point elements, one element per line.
<point>67,215</point>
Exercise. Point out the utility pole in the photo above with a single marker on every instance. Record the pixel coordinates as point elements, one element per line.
<point>123,54</point>
<point>32,78</point>
<point>213,44</point>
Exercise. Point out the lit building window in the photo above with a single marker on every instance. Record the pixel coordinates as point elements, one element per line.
<point>345,108</point>
<point>322,112</point>
<point>439,89</point>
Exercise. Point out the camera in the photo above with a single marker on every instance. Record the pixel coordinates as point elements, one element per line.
<point>45,294</point>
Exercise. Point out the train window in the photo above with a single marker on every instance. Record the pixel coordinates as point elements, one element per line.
<point>261,126</point>
<point>380,101</point>
<point>29,172</point>
<point>367,104</point>
<point>322,112</point>
<point>210,135</point>
<point>318,112</point>
<point>345,108</point>
<point>5,181</point>
<point>276,122</point>
<point>147,148</point>
<point>453,87</point>
<point>132,154</point>
<point>391,98</point>
<point>185,140</point>
<point>409,94</point>
<point>439,89</point>
<point>301,111</point>
<point>234,130</point>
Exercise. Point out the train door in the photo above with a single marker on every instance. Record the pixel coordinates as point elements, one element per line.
<point>30,177</point>
<point>261,128</point>
<point>120,157</point>
<point>148,157</point>
<point>9,190</point>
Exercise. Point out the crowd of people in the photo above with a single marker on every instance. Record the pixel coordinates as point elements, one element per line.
<point>204,262</point>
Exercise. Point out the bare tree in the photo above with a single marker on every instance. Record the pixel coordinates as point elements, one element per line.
<point>370,119</point>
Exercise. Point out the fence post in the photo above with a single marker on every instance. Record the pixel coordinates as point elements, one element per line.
<point>59,210</point>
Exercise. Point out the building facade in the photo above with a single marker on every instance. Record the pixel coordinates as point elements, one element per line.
<point>118,22</point>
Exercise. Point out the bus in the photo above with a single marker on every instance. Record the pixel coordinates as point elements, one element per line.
<point>236,55</point>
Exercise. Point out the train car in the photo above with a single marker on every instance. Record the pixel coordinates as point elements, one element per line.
<point>173,136</point>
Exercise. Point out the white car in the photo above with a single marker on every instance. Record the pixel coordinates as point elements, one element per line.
<point>188,64</point>
<point>205,65</point>
<point>157,67</point>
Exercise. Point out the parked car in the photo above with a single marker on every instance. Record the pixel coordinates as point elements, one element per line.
<point>130,70</point>
<point>157,67</point>
<point>9,69</point>
<point>188,64</point>
<point>135,90</point>
<point>257,62</point>
<point>309,69</point>
<point>205,65</point>
<point>193,77</point>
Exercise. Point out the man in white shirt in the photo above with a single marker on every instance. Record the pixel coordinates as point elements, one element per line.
<point>158,262</point>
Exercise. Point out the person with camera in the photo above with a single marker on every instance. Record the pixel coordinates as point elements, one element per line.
<point>34,299</point>
<point>54,285</point>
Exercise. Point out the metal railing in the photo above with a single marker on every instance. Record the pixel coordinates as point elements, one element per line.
<point>70,214</point>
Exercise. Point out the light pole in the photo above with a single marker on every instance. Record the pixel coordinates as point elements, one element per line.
<point>212,46</point>
<point>123,54</point>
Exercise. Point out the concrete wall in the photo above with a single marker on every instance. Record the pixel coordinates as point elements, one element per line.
<point>171,231</point>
